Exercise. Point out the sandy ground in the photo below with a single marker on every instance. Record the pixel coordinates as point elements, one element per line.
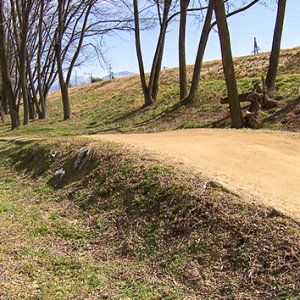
<point>261,166</point>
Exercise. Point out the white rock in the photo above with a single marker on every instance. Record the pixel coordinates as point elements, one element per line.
<point>61,172</point>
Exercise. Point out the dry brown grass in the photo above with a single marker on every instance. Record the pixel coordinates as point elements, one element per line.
<point>199,241</point>
<point>106,88</point>
<point>245,66</point>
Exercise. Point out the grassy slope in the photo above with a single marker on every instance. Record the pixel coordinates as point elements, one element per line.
<point>122,227</point>
<point>53,248</point>
<point>116,106</point>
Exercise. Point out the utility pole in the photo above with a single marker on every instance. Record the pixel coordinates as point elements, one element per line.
<point>255,48</point>
<point>90,76</point>
<point>110,72</point>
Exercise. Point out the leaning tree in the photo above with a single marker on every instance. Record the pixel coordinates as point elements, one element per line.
<point>274,56</point>
<point>237,120</point>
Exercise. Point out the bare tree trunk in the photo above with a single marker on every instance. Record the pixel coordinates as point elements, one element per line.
<point>34,98</point>
<point>155,87</point>
<point>274,57</point>
<point>43,99</point>
<point>200,54</point>
<point>228,68</point>
<point>150,91</point>
<point>23,10</point>
<point>4,98</point>
<point>64,95</point>
<point>63,86</point>
<point>202,46</point>
<point>32,113</point>
<point>157,70</point>
<point>181,45</point>
<point>147,100</point>
<point>24,94</point>
<point>157,60</point>
<point>15,120</point>
<point>43,108</point>
<point>66,101</point>
<point>58,53</point>
<point>2,115</point>
<point>42,103</point>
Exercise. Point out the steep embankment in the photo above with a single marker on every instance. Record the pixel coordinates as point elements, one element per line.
<point>263,165</point>
<point>118,226</point>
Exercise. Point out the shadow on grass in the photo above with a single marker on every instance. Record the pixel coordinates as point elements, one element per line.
<point>128,115</point>
<point>28,156</point>
<point>282,111</point>
<point>221,123</point>
<point>17,142</point>
<point>117,129</point>
<point>163,114</point>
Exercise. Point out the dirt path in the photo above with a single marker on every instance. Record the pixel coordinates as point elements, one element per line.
<point>262,166</point>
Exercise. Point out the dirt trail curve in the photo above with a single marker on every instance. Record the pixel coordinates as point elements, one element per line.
<point>263,165</point>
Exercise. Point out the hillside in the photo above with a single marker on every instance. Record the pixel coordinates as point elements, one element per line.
<point>186,214</point>
<point>255,65</point>
<point>118,225</point>
<point>116,105</point>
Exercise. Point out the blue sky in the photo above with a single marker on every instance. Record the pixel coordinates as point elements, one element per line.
<point>256,22</point>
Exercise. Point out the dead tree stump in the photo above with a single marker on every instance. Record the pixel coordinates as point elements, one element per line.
<point>258,99</point>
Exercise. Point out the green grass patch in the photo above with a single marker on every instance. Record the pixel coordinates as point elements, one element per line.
<point>119,110</point>
<point>123,227</point>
